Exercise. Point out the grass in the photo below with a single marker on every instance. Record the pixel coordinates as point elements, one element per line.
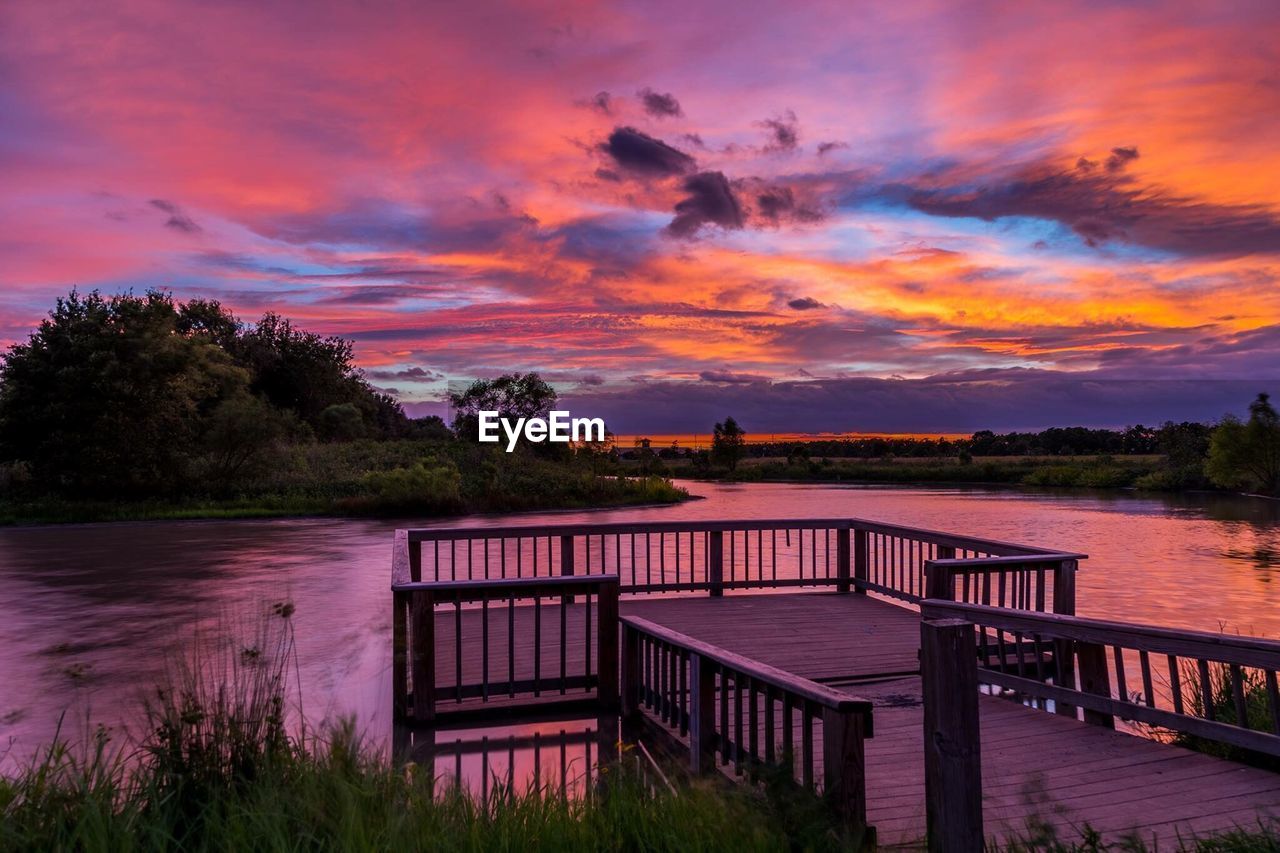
<point>1257,711</point>
<point>1042,837</point>
<point>217,768</point>
<point>374,478</point>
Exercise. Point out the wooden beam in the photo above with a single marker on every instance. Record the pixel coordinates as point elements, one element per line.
<point>952,748</point>
<point>844,770</point>
<point>702,714</point>
<point>715,563</point>
<point>423,628</point>
<point>861,561</point>
<point>1095,678</point>
<point>843,558</point>
<point>607,645</point>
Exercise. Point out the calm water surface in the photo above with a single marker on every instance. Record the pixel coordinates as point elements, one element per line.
<point>90,614</point>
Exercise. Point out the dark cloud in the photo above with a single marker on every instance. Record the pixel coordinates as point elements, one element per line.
<point>710,201</point>
<point>641,154</point>
<point>415,374</point>
<point>1121,157</point>
<point>1109,206</point>
<point>805,303</point>
<point>729,377</point>
<point>658,104</point>
<point>694,139</point>
<point>828,147</point>
<point>777,204</point>
<point>600,102</point>
<point>783,132</point>
<point>178,220</point>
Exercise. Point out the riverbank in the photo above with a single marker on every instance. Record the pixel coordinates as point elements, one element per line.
<point>422,479</point>
<point>1149,473</point>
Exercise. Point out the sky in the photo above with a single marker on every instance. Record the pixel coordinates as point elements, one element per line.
<point>908,216</point>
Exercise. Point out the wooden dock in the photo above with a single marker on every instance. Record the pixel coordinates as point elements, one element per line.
<point>739,670</point>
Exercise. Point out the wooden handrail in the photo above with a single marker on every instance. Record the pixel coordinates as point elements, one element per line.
<point>521,587</point>
<point>997,564</point>
<point>796,685</point>
<point>1244,651</point>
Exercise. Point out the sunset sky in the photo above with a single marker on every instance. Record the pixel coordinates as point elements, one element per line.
<point>901,216</point>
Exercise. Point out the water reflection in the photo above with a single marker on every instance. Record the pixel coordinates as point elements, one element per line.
<point>564,754</point>
<point>91,614</point>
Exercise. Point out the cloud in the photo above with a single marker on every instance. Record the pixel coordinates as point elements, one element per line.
<point>710,201</point>
<point>659,105</point>
<point>805,303</point>
<point>777,204</point>
<point>828,147</point>
<point>641,154</point>
<point>783,132</point>
<point>1110,206</point>
<point>416,374</point>
<point>601,102</point>
<point>729,377</point>
<point>178,220</point>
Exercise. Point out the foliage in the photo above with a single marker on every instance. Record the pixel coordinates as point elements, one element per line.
<point>728,443</point>
<point>141,396</point>
<point>1257,709</point>
<point>511,395</point>
<point>1247,455</point>
<point>427,488</point>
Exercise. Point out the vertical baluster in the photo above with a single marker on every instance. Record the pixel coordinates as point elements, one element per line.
<point>1236,674</point>
<point>773,538</point>
<point>511,647</point>
<point>1273,699</point>
<point>648,560</point>
<point>753,726</point>
<point>457,647</point>
<point>662,557</point>
<point>586,634</point>
<point>724,716</point>
<point>1121,687</point>
<point>1175,684</point>
<point>537,642</point>
<point>564,644</point>
<point>788,736</point>
<point>1148,689</point>
<point>806,743</point>
<point>484,645</point>
<point>768,725</point>
<point>737,724</point>
<point>683,691</point>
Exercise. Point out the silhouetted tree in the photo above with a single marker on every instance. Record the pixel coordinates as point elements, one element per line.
<point>511,395</point>
<point>728,443</point>
<point>1247,455</point>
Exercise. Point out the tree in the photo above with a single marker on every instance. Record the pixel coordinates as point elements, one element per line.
<point>511,395</point>
<point>1247,455</point>
<point>109,396</point>
<point>728,443</point>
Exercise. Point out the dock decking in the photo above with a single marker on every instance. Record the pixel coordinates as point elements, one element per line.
<point>755,642</point>
<point>1035,765</point>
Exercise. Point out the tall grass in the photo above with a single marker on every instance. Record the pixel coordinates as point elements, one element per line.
<point>220,766</point>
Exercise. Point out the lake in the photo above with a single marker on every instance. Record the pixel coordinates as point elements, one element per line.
<point>90,614</point>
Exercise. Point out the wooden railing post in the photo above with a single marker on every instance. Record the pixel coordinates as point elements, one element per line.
<point>861,561</point>
<point>715,563</point>
<point>702,714</point>
<point>844,768</point>
<point>1064,604</point>
<point>607,645</point>
<point>1095,679</point>
<point>952,747</point>
<point>938,582</point>
<point>632,671</point>
<point>400,655</point>
<point>843,559</point>
<point>423,637</point>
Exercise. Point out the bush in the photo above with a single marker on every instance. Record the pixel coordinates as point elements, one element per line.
<point>427,487</point>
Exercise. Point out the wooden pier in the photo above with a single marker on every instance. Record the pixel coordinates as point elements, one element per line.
<point>929,685</point>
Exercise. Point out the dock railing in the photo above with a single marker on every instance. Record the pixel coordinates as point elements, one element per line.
<point>845,554</point>
<point>732,710</point>
<point>515,632</point>
<point>1194,684</point>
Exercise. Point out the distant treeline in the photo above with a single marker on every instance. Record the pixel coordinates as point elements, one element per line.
<point>1186,440</point>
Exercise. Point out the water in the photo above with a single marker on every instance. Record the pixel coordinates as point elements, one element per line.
<point>90,614</point>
